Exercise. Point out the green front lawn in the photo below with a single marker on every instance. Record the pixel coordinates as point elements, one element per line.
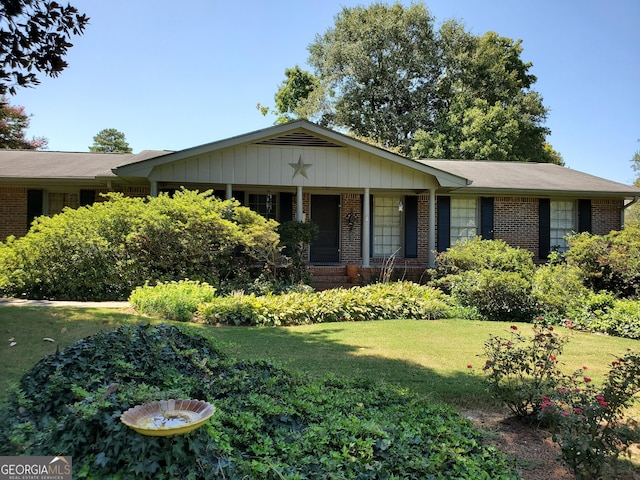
<point>427,357</point>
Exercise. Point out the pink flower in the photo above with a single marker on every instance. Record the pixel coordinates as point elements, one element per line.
<point>577,410</point>
<point>587,379</point>
<point>552,358</point>
<point>513,327</point>
<point>602,401</point>
<point>546,402</point>
<point>569,324</point>
<point>469,366</point>
<point>565,413</point>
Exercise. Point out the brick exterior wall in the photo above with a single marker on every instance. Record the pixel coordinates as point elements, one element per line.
<point>516,221</point>
<point>13,211</point>
<point>606,215</point>
<point>13,205</point>
<point>351,236</point>
<point>423,231</point>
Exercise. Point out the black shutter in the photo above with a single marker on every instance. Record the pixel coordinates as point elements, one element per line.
<point>544,219</point>
<point>444,223</point>
<point>486,218</point>
<point>239,196</point>
<point>361,222</point>
<point>584,215</point>
<point>34,205</point>
<point>411,227</point>
<point>371,225</point>
<point>87,197</point>
<point>170,192</point>
<point>286,207</point>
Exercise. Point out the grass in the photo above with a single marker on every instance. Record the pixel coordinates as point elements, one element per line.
<point>28,326</point>
<point>427,357</point>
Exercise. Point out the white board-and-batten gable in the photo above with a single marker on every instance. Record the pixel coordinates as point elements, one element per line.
<point>296,154</point>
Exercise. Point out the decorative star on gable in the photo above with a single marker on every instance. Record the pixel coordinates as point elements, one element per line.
<point>300,168</point>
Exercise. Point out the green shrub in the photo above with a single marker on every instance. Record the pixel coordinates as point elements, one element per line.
<point>558,289</point>
<point>172,300</point>
<point>269,423</point>
<point>520,370</point>
<point>608,262</point>
<point>294,236</point>
<point>478,254</point>
<point>372,302</point>
<point>497,295</point>
<point>603,313</point>
<point>589,423</point>
<point>106,250</point>
<point>9,263</point>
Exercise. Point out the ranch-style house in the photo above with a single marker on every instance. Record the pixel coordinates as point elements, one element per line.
<point>368,203</point>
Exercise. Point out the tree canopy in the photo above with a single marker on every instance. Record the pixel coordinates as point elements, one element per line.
<point>386,73</point>
<point>380,69</point>
<point>110,140</point>
<point>13,125</point>
<point>632,214</point>
<point>34,35</point>
<point>635,161</point>
<point>296,97</point>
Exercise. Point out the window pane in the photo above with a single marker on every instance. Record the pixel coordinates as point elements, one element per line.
<point>387,226</point>
<point>464,219</point>
<point>265,205</point>
<point>562,224</point>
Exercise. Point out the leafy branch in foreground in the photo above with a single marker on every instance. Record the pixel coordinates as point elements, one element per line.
<point>34,35</point>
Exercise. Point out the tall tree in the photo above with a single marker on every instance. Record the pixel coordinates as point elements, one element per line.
<point>632,214</point>
<point>13,125</point>
<point>635,162</point>
<point>34,35</point>
<point>110,140</point>
<point>487,110</point>
<point>296,97</point>
<point>389,75</point>
<point>379,67</point>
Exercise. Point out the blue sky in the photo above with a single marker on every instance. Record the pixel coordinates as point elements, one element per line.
<point>172,75</point>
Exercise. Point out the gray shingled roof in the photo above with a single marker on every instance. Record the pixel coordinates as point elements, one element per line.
<point>540,178</point>
<point>65,165</point>
<point>486,177</point>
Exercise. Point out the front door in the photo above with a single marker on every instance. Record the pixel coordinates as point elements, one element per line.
<point>325,212</point>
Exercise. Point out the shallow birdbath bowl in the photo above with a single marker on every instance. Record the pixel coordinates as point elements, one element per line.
<point>167,417</point>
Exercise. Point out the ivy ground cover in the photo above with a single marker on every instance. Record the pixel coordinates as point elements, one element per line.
<point>270,422</point>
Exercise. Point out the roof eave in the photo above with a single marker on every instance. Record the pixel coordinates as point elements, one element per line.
<point>548,193</point>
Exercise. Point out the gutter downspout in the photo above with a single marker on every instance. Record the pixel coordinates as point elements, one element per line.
<point>632,202</point>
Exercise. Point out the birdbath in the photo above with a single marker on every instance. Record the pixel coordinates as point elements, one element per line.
<point>167,417</point>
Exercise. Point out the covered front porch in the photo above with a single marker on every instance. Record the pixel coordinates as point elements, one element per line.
<point>369,204</point>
